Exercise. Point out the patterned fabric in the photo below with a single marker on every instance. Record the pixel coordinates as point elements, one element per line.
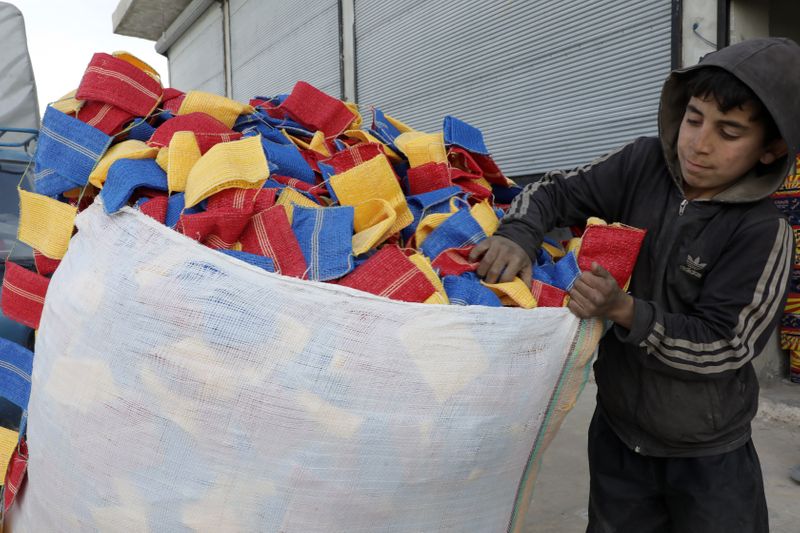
<point>428,177</point>
<point>221,108</point>
<point>391,274</point>
<point>325,237</point>
<point>459,230</point>
<point>614,247</point>
<point>23,294</point>
<point>15,474</point>
<point>183,153</point>
<point>422,148</point>
<point>547,295</point>
<point>561,274</point>
<point>254,259</point>
<point>219,229</point>
<point>105,117</point>
<point>45,224</point>
<point>127,175</point>
<point>466,136</point>
<point>318,111</point>
<point>44,265</point>
<point>129,149</point>
<point>514,293</point>
<point>270,234</point>
<point>236,164</point>
<point>155,208</point>
<point>455,261</point>
<point>117,82</point>
<point>69,146</point>
<point>16,365</point>
<point>467,289</point>
<point>207,130</point>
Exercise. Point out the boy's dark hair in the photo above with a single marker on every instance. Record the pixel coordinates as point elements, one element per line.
<point>730,92</point>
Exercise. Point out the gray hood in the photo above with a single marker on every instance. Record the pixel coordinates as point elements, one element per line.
<point>770,68</point>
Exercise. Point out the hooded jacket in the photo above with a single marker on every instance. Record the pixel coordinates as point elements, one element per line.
<point>711,277</point>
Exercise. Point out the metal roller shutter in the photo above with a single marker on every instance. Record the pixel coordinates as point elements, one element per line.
<point>275,43</point>
<point>196,60</point>
<point>551,84</point>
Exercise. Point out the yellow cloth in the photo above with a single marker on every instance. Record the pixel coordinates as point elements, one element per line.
<point>485,216</point>
<point>183,154</point>
<point>374,178</point>
<point>138,63</point>
<point>316,144</point>
<point>45,224</point>
<point>595,221</point>
<point>427,225</point>
<point>68,104</point>
<point>8,443</point>
<point>556,252</point>
<point>289,197</point>
<point>513,293</point>
<point>163,158</point>
<point>358,121</point>
<point>424,264</point>
<point>574,245</point>
<point>402,127</point>
<point>221,108</point>
<point>130,149</point>
<point>236,164</point>
<point>372,223</point>
<point>421,148</point>
<point>367,137</point>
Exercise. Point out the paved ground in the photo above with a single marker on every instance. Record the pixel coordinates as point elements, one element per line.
<point>559,501</point>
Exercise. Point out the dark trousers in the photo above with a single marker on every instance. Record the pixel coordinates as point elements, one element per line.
<point>633,493</point>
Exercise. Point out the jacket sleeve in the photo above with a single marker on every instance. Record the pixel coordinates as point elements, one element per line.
<point>568,198</point>
<point>738,307</point>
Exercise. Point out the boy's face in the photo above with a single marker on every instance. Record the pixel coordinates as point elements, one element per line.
<point>717,148</point>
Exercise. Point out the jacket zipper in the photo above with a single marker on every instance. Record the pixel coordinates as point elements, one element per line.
<point>682,207</point>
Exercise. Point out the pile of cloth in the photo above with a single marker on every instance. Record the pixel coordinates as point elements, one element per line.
<point>787,200</point>
<point>291,184</point>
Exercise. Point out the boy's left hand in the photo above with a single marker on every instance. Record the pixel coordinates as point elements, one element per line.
<point>597,294</point>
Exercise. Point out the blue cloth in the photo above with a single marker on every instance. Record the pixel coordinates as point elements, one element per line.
<point>327,173</point>
<point>16,365</point>
<point>427,203</point>
<point>561,274</point>
<point>127,175</point>
<point>326,239</point>
<point>141,130</point>
<point>340,145</point>
<point>261,117</point>
<point>460,229</point>
<point>175,206</point>
<point>283,157</point>
<point>383,129</point>
<point>254,259</point>
<point>50,183</point>
<point>466,136</point>
<point>505,195</point>
<point>466,289</point>
<point>69,145</point>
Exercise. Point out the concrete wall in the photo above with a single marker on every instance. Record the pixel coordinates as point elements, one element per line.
<point>704,14</point>
<point>749,19</point>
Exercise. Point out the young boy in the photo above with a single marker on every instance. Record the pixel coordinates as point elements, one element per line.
<point>669,444</point>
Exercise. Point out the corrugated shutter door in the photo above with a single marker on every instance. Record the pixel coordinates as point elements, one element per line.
<point>551,84</point>
<point>275,43</point>
<point>196,60</point>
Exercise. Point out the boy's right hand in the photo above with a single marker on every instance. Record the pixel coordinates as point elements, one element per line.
<point>501,260</point>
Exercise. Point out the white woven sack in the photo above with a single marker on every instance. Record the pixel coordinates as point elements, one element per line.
<point>178,389</point>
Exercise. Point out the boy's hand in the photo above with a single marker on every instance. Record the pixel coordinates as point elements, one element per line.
<point>596,294</point>
<point>502,260</point>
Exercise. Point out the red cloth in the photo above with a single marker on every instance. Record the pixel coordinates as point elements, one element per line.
<point>15,474</point>
<point>615,248</point>
<point>117,82</point>
<point>546,295</point>
<point>353,156</point>
<point>428,177</point>
<point>172,99</point>
<point>23,295</point>
<point>44,265</point>
<point>455,261</point>
<point>105,117</point>
<point>478,192</point>
<point>270,234</point>
<point>391,274</point>
<point>218,229</point>
<point>316,110</point>
<point>248,200</point>
<point>208,131</point>
<point>156,208</point>
<point>317,191</point>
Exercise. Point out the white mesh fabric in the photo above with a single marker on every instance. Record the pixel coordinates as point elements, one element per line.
<point>175,389</point>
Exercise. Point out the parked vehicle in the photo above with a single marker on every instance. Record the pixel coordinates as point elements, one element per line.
<point>19,120</point>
